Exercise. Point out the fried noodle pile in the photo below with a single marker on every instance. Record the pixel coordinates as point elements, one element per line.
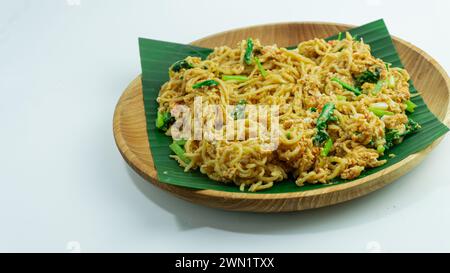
<point>365,97</point>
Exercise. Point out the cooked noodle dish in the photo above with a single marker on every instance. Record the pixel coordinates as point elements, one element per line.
<point>254,115</point>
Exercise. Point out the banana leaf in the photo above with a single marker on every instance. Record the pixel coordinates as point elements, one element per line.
<point>158,56</point>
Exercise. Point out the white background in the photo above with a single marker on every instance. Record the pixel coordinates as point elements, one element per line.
<point>63,66</point>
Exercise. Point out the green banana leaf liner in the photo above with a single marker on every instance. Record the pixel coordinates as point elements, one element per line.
<point>158,56</point>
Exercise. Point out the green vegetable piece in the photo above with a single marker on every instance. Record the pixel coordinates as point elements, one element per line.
<point>321,125</point>
<point>347,86</point>
<point>180,142</point>
<point>387,66</point>
<point>339,36</point>
<point>320,137</point>
<point>393,136</point>
<point>327,148</point>
<point>410,106</point>
<point>234,78</point>
<point>205,83</point>
<point>333,118</point>
<point>164,120</point>
<point>381,149</point>
<point>379,112</point>
<point>367,76</point>
<point>181,64</point>
<point>179,152</point>
<point>313,109</point>
<point>325,115</point>
<point>411,127</point>
<point>288,135</point>
<point>260,67</point>
<point>380,105</point>
<point>249,52</point>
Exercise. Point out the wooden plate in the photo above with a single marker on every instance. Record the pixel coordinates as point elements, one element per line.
<point>131,135</point>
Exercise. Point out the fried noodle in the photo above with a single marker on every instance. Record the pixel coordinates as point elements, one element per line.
<point>299,81</point>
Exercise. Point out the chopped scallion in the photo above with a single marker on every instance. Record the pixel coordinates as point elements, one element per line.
<point>347,86</point>
<point>410,106</point>
<point>179,151</point>
<point>379,112</point>
<point>249,52</point>
<point>381,149</point>
<point>205,83</point>
<point>327,147</point>
<point>260,67</point>
<point>234,78</point>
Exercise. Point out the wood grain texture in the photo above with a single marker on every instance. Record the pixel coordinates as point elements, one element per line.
<point>130,133</point>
